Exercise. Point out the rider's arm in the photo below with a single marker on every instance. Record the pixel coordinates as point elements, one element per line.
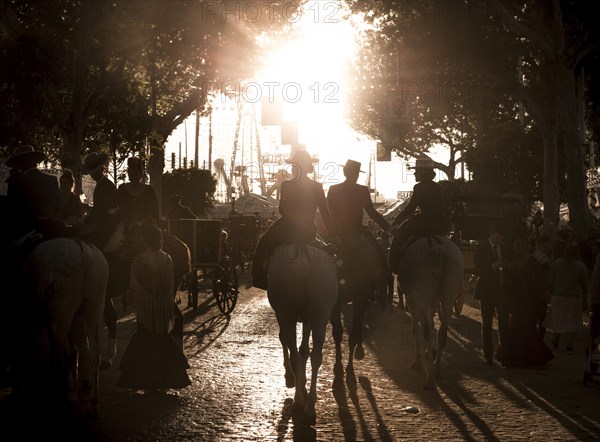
<point>410,208</point>
<point>324,210</point>
<point>374,214</point>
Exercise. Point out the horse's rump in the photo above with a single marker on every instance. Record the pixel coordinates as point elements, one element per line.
<point>427,260</point>
<point>302,275</point>
<point>362,264</point>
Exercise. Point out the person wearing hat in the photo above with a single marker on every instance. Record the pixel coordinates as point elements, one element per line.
<point>428,197</point>
<point>32,190</point>
<point>299,201</point>
<point>101,222</point>
<point>347,202</point>
<point>97,228</point>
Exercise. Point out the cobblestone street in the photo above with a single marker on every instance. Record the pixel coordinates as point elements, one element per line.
<point>238,390</point>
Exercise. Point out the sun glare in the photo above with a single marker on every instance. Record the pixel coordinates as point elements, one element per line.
<point>310,76</point>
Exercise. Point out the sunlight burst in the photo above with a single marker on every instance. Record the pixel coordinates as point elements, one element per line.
<point>310,76</point>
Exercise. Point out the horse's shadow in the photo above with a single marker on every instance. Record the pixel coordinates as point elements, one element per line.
<point>300,432</point>
<point>345,388</point>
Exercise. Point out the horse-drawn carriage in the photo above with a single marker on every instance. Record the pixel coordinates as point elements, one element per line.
<point>243,231</point>
<point>209,261</point>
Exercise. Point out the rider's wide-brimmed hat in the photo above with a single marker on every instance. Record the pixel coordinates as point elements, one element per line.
<point>25,153</point>
<point>93,162</point>
<point>424,164</point>
<point>302,158</point>
<point>352,166</point>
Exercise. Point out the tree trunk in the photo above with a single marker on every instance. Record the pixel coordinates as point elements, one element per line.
<point>579,213</point>
<point>156,166</point>
<point>551,200</point>
<point>70,156</point>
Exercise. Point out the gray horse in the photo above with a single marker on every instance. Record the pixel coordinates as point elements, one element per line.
<point>302,287</point>
<point>430,273</point>
<point>68,279</point>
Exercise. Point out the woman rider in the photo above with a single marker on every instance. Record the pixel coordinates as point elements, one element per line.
<point>299,201</point>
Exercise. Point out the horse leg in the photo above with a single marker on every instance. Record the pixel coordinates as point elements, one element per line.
<point>63,364</point>
<point>451,290</point>
<point>295,361</point>
<point>430,340</point>
<point>359,305</point>
<point>316,359</point>
<point>337,330</point>
<point>89,353</point>
<point>416,329</point>
<point>83,384</point>
<point>304,349</point>
<point>289,374</point>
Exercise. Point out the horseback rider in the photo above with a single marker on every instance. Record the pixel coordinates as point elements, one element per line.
<point>347,201</point>
<point>428,197</point>
<point>300,199</point>
<point>34,194</point>
<point>97,228</point>
<point>100,223</point>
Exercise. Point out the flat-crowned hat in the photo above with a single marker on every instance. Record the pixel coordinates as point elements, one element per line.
<point>93,162</point>
<point>352,166</point>
<point>302,158</point>
<point>424,164</point>
<point>25,153</point>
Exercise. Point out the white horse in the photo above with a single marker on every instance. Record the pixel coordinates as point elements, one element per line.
<point>68,278</point>
<point>302,287</point>
<point>430,273</point>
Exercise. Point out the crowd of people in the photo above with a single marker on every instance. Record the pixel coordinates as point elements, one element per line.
<point>124,223</point>
<point>516,284</point>
<point>529,291</point>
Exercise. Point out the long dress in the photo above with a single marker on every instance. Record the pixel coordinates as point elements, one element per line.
<point>568,285</point>
<point>152,359</point>
<point>525,345</point>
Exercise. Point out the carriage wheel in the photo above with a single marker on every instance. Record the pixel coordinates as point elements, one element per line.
<point>225,286</point>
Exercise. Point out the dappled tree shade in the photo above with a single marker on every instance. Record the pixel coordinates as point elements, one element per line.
<point>464,70</point>
<point>117,76</point>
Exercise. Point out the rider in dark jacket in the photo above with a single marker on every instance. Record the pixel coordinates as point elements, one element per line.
<point>428,197</point>
<point>347,201</point>
<point>300,199</point>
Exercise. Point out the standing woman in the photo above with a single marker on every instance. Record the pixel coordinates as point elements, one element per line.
<point>569,282</point>
<point>152,359</point>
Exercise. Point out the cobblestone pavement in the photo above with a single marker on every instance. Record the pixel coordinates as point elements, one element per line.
<point>238,390</point>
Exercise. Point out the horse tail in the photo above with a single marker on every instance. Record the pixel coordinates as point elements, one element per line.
<point>95,270</point>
